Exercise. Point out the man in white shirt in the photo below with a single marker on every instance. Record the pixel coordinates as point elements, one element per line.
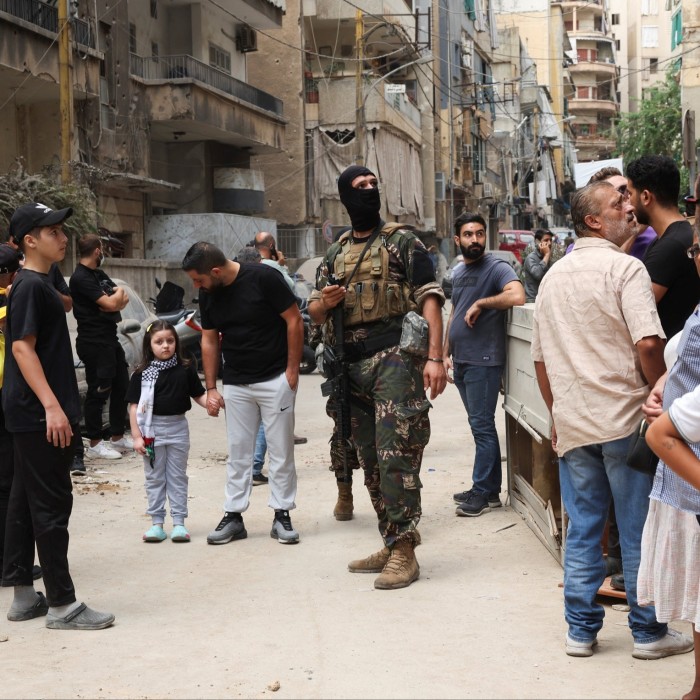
<point>598,348</point>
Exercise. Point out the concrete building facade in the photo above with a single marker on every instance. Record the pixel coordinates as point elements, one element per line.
<point>164,120</point>
<point>358,91</point>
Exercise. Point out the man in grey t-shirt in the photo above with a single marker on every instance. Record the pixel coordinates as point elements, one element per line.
<point>483,289</point>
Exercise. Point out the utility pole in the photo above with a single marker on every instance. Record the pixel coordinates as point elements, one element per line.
<point>359,101</point>
<point>65,85</point>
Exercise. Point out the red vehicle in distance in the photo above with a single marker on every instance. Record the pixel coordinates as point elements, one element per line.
<point>515,241</point>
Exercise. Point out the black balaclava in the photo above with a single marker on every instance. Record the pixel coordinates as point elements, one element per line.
<point>362,205</point>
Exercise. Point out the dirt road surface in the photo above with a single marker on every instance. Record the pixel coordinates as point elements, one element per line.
<point>256,619</point>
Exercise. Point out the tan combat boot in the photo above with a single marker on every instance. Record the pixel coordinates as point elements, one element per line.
<point>402,568</point>
<point>373,564</point>
<point>344,507</point>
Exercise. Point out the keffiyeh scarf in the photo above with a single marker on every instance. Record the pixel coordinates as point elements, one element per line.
<point>144,411</point>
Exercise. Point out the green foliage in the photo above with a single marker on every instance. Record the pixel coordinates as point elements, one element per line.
<point>656,127</point>
<point>18,187</point>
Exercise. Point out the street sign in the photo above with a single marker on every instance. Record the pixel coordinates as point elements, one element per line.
<point>395,88</point>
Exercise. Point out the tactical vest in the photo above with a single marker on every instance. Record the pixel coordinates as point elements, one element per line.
<point>370,296</point>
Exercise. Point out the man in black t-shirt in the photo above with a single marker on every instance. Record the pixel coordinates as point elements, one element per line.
<point>97,302</point>
<point>262,335</point>
<point>42,410</point>
<point>654,186</point>
<point>9,265</point>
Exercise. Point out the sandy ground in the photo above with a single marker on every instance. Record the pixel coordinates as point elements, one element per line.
<point>239,620</point>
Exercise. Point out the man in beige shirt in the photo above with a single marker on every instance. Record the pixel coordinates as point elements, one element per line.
<point>598,347</point>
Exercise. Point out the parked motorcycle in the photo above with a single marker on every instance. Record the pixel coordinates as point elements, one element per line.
<point>308,354</point>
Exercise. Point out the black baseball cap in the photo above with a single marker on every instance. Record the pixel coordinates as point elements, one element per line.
<point>35,215</point>
<point>9,259</point>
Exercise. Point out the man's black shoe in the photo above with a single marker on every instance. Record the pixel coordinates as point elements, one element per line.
<point>617,582</point>
<point>475,505</point>
<point>259,479</point>
<point>230,528</point>
<point>78,467</point>
<point>36,572</point>
<point>493,499</point>
<point>462,496</point>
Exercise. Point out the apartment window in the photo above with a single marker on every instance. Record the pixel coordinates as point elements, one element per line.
<point>618,44</point>
<point>154,9</point>
<point>676,29</point>
<point>132,37</point>
<point>650,7</point>
<point>155,51</point>
<point>219,58</point>
<point>616,19</point>
<point>310,88</point>
<point>653,65</point>
<point>650,37</point>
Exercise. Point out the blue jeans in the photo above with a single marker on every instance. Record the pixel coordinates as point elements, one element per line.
<point>479,386</point>
<point>590,476</point>
<point>260,450</point>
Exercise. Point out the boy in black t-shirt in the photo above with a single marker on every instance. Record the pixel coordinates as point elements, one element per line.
<point>42,410</point>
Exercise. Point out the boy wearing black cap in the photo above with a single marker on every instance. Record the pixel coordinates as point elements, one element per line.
<point>42,410</point>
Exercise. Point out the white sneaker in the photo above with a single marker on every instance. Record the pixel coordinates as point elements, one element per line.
<point>102,451</point>
<point>673,643</point>
<point>124,443</point>
<point>575,648</point>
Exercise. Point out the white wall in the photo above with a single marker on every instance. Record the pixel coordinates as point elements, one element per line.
<point>170,237</point>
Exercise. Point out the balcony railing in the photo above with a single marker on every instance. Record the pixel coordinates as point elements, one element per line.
<point>173,67</point>
<point>45,16</point>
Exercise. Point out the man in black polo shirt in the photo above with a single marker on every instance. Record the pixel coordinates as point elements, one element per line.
<point>97,302</point>
<point>262,335</point>
<point>654,183</point>
<point>42,410</point>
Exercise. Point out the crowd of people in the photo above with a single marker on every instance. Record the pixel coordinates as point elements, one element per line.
<point>602,315</point>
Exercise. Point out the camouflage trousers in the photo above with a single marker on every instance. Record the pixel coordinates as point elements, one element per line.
<point>389,438</point>
<point>338,456</point>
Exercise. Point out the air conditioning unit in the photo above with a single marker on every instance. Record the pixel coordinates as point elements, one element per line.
<point>467,151</point>
<point>488,189</point>
<point>246,39</point>
<point>439,187</point>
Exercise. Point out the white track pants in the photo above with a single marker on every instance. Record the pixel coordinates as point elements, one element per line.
<point>272,402</point>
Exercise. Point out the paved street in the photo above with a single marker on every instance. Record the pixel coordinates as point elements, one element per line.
<point>197,621</point>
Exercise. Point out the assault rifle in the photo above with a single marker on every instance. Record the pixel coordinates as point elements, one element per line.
<point>335,363</point>
<point>337,386</point>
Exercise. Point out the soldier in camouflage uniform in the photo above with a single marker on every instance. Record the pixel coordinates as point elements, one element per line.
<point>389,407</point>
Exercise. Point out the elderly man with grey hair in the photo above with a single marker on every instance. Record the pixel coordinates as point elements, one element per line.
<point>598,345</point>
